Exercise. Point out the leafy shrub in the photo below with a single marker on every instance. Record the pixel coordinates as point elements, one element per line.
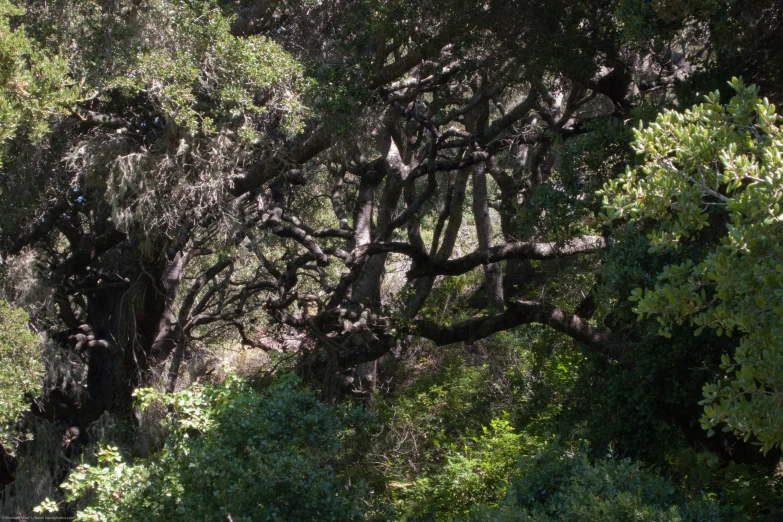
<point>33,82</point>
<point>745,492</point>
<point>645,401</point>
<point>728,157</point>
<point>232,451</point>
<point>20,365</point>
<point>450,437</point>
<point>474,470</point>
<point>564,486</point>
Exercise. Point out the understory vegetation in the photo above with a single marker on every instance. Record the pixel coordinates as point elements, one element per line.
<point>395,260</point>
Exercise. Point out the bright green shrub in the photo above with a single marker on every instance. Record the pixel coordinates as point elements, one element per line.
<point>449,438</point>
<point>473,470</point>
<point>20,365</point>
<point>232,451</point>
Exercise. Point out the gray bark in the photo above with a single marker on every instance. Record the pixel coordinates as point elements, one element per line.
<point>493,275</point>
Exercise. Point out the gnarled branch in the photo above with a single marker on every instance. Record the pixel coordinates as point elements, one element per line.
<point>517,314</point>
<point>518,250</point>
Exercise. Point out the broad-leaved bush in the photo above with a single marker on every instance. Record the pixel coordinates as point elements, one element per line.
<point>718,159</point>
<point>564,486</point>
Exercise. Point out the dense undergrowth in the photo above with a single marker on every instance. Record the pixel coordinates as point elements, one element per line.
<point>475,433</point>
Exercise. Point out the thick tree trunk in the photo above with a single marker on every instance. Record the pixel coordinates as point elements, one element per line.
<point>362,288</point>
<point>168,327</point>
<point>367,289</point>
<point>476,122</point>
<point>127,321</point>
<point>176,361</point>
<point>515,189</point>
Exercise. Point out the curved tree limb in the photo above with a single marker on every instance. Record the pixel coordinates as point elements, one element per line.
<point>517,314</point>
<point>518,250</point>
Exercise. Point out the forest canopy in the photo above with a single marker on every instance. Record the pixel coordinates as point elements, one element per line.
<point>361,260</point>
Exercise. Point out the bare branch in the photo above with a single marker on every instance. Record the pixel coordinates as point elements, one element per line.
<point>518,250</point>
<point>516,314</point>
<point>93,118</point>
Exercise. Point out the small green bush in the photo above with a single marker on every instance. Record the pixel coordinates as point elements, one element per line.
<point>471,470</point>
<point>232,452</point>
